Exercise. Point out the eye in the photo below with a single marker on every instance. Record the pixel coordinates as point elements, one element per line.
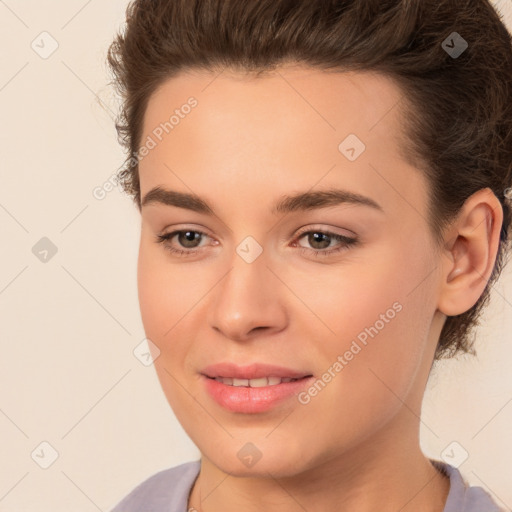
<point>187,238</point>
<point>321,240</point>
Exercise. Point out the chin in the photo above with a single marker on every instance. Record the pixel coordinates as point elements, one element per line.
<point>245,460</point>
<point>260,469</point>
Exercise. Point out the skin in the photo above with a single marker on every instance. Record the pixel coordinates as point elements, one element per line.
<point>355,445</point>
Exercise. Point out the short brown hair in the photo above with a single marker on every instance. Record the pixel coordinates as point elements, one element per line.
<point>457,109</point>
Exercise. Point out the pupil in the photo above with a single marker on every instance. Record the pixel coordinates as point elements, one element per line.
<point>189,238</point>
<point>316,238</point>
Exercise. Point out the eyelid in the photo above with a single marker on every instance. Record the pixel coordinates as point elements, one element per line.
<point>326,230</point>
<point>303,230</point>
<point>174,232</point>
<point>175,229</point>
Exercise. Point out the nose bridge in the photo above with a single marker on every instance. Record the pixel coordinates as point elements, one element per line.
<point>248,296</point>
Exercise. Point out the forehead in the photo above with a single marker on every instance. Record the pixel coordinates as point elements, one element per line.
<point>330,101</point>
<point>285,129</point>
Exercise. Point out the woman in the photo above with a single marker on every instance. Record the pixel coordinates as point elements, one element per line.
<point>322,188</point>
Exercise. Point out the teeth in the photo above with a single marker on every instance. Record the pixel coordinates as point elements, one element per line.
<point>258,383</point>
<point>254,383</point>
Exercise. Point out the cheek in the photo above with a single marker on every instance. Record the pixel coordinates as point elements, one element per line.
<point>170,297</point>
<point>160,311</point>
<point>166,292</point>
<point>164,296</point>
<point>153,300</point>
<point>380,315</point>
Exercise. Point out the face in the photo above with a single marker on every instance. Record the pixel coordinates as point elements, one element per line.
<point>335,288</point>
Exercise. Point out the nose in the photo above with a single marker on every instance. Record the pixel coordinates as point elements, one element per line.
<point>248,301</point>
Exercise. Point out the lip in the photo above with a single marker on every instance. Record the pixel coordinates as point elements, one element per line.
<point>247,400</point>
<point>251,371</point>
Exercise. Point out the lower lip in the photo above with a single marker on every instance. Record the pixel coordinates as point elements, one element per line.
<point>253,400</point>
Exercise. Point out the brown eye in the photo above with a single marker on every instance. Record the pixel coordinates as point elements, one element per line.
<point>320,242</point>
<point>188,241</point>
<point>322,239</point>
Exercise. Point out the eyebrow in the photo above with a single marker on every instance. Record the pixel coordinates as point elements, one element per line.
<point>302,201</point>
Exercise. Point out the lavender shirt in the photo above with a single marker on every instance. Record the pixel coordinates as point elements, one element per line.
<point>168,490</point>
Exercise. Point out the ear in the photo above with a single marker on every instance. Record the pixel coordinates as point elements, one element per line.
<point>469,253</point>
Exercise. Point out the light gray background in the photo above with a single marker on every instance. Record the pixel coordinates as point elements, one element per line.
<point>69,325</point>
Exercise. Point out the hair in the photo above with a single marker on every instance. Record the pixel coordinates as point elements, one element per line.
<point>456,110</point>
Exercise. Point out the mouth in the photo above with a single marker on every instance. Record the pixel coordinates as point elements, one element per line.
<point>253,375</point>
<point>256,383</point>
<point>255,388</point>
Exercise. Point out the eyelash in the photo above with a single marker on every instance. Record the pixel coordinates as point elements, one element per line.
<point>346,242</point>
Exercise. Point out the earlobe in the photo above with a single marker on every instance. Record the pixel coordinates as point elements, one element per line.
<point>470,258</point>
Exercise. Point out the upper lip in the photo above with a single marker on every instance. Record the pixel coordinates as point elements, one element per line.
<point>251,371</point>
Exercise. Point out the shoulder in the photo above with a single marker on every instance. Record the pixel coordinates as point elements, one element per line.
<point>462,497</point>
<point>165,491</point>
